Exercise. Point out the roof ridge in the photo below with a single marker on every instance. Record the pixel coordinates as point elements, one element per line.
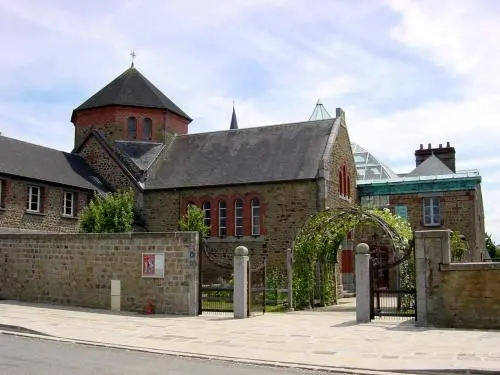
<point>35,144</point>
<point>301,123</point>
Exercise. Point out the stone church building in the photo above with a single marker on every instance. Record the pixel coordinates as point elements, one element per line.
<point>256,186</point>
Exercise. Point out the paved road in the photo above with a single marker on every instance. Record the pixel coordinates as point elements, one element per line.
<point>23,356</point>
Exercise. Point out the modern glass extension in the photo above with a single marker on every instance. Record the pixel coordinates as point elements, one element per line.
<point>368,167</point>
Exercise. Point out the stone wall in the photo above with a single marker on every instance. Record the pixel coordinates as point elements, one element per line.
<point>460,211</point>
<point>454,295</point>
<point>341,154</point>
<point>100,160</point>
<point>13,213</point>
<point>77,270</point>
<point>285,208</point>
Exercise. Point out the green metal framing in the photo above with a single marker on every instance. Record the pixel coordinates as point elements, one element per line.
<point>413,187</point>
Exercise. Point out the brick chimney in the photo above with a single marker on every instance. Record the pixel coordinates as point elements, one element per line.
<point>445,154</point>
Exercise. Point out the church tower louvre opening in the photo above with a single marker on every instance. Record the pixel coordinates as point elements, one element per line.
<point>129,108</point>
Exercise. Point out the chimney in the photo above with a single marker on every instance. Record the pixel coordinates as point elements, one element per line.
<point>445,154</point>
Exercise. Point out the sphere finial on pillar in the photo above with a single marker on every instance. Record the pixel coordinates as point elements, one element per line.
<point>362,248</point>
<point>241,251</point>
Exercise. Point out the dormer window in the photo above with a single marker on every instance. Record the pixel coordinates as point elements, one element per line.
<point>147,128</point>
<point>132,127</point>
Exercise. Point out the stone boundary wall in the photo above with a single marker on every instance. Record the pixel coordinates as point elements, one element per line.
<point>77,269</point>
<point>454,295</point>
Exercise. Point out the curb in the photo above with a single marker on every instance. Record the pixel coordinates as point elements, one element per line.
<point>12,330</point>
<point>17,331</point>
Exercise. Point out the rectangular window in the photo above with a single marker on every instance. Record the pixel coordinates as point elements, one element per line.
<point>34,197</point>
<point>432,211</point>
<point>222,219</point>
<point>206,214</point>
<point>238,217</point>
<point>255,217</point>
<point>69,203</point>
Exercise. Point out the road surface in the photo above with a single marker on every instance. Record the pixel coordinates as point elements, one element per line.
<point>23,356</point>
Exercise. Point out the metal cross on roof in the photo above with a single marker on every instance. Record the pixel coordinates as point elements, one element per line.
<point>132,55</point>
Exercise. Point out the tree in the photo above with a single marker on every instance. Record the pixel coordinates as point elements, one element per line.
<point>194,221</point>
<point>113,213</point>
<point>490,246</point>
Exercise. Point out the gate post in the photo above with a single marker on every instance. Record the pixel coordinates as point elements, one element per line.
<point>240,291</point>
<point>362,283</point>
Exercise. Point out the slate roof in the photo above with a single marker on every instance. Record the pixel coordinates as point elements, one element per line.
<point>262,154</point>
<point>142,154</point>
<point>23,159</point>
<point>131,88</point>
<point>431,166</point>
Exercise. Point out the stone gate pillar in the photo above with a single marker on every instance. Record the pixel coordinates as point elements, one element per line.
<point>362,269</point>
<point>240,291</point>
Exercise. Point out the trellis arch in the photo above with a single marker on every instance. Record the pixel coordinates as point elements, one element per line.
<point>318,241</point>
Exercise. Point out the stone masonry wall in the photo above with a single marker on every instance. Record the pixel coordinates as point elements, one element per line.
<point>454,295</point>
<point>104,164</point>
<point>285,208</point>
<point>470,295</point>
<point>458,213</point>
<point>77,270</point>
<point>341,154</point>
<point>13,212</point>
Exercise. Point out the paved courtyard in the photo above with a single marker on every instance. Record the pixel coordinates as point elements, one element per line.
<point>328,337</point>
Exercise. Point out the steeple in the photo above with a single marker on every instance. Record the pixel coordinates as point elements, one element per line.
<point>234,121</point>
<point>320,112</point>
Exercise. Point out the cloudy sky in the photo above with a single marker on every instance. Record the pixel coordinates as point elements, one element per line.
<point>406,72</point>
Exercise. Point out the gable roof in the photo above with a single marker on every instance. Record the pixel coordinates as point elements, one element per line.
<point>27,160</point>
<point>263,154</point>
<point>123,161</point>
<point>132,89</point>
<point>142,154</point>
<point>431,166</point>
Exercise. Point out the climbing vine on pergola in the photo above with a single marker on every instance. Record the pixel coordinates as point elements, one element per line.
<point>319,239</point>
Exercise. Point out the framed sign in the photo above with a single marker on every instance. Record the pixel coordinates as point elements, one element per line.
<point>153,265</point>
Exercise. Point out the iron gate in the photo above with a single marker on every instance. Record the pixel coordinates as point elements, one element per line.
<point>215,284</point>
<point>392,288</point>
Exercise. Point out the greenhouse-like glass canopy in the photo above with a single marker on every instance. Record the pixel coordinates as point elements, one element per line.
<point>370,168</point>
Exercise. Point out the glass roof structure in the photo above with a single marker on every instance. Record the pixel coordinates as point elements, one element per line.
<point>368,167</point>
<point>319,112</point>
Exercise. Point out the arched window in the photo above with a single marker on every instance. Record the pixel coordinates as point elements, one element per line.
<point>222,218</point>
<point>238,218</point>
<point>206,213</point>
<point>341,183</point>
<point>344,174</point>
<point>255,217</point>
<point>132,127</point>
<point>147,128</point>
<point>348,186</point>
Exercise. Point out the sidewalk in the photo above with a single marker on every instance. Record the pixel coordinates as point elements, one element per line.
<point>310,338</point>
